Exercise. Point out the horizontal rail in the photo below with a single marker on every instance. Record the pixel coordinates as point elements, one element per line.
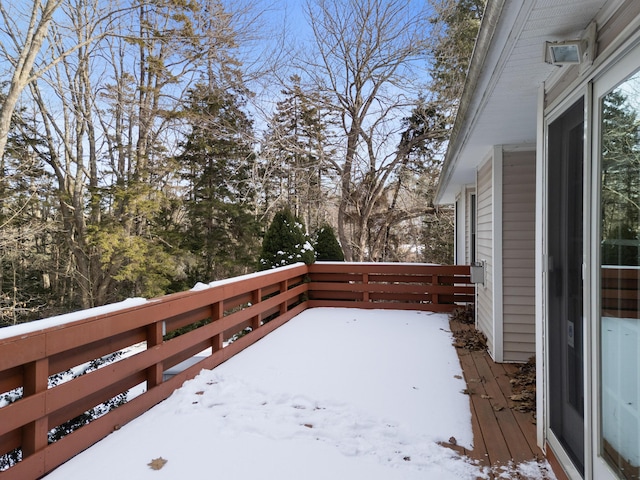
<point>169,330</point>
<point>619,292</point>
<point>439,288</point>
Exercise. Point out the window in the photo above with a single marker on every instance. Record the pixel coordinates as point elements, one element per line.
<point>472,221</point>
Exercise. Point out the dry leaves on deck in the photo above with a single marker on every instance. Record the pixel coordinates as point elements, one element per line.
<point>523,386</point>
<point>470,339</point>
<point>464,333</point>
<point>157,463</point>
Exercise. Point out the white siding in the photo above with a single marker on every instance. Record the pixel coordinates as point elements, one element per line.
<point>518,255</point>
<point>484,251</point>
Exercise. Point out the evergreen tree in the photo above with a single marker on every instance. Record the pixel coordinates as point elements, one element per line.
<point>285,242</point>
<point>459,22</point>
<point>620,200</point>
<point>327,246</point>
<point>217,160</point>
<point>296,153</point>
<point>28,262</point>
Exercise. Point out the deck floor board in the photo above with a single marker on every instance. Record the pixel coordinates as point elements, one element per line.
<point>502,435</point>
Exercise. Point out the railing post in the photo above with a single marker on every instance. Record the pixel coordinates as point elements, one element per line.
<point>365,283</point>
<point>256,297</point>
<point>284,286</point>
<point>35,380</point>
<point>154,337</point>
<point>217,312</point>
<point>435,281</point>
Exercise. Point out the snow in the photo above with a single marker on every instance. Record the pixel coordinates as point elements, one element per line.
<point>334,393</point>
<point>203,286</point>
<point>36,326</point>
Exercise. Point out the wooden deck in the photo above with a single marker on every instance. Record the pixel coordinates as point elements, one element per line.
<point>502,436</point>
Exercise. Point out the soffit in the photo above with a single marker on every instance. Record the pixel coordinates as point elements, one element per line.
<point>502,108</point>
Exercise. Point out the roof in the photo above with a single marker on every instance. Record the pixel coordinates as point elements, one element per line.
<point>499,101</point>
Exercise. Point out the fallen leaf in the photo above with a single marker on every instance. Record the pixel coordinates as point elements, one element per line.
<point>157,463</point>
<point>486,397</point>
<point>453,441</point>
<point>201,392</point>
<point>498,408</point>
<point>459,377</point>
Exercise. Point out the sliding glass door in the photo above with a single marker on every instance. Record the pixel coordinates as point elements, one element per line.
<point>565,294</point>
<point>619,270</point>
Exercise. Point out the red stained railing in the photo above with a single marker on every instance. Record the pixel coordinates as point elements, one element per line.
<point>262,301</point>
<point>619,292</point>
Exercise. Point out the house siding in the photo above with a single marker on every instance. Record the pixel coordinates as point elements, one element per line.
<point>484,251</point>
<point>518,255</point>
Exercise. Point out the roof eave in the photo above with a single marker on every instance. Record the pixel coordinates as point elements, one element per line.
<point>490,19</point>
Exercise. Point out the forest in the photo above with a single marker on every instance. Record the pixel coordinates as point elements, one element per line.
<point>146,145</point>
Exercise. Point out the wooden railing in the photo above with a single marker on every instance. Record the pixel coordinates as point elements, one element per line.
<point>619,292</point>
<point>436,288</point>
<point>262,301</point>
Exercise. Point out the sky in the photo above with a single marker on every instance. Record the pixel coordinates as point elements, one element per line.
<point>334,393</point>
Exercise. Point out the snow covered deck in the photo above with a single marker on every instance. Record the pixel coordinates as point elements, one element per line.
<point>334,393</point>
<point>370,388</point>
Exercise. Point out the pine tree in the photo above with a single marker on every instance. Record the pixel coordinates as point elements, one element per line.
<point>217,160</point>
<point>296,153</point>
<point>285,242</point>
<point>620,180</point>
<point>27,229</point>
<point>460,22</point>
<point>327,246</point>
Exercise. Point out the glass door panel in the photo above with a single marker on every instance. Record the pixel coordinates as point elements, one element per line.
<point>565,246</point>
<point>620,275</point>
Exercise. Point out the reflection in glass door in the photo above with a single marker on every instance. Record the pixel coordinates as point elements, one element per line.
<point>620,274</point>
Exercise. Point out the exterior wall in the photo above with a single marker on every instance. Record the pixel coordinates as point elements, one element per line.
<point>485,307</point>
<point>518,250</point>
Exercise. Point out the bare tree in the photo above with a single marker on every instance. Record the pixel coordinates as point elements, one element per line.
<point>367,59</point>
<point>24,56</point>
<point>110,116</point>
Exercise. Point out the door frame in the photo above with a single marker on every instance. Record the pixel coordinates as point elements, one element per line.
<point>566,265</point>
<point>548,436</point>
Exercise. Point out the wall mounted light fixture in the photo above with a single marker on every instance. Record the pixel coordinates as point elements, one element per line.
<point>572,52</point>
<point>565,53</point>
